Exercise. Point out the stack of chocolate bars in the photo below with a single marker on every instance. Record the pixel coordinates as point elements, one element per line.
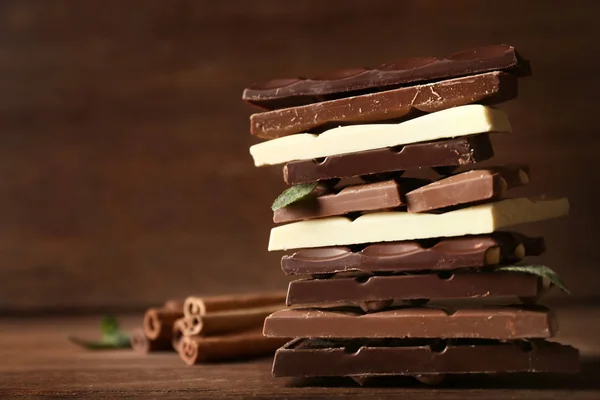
<point>398,264</point>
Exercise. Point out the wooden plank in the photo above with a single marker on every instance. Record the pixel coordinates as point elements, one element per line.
<point>37,360</point>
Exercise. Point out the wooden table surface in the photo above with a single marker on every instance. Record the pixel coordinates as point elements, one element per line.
<point>36,360</point>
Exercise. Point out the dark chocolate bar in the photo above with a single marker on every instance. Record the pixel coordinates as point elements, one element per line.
<point>380,357</point>
<point>467,187</point>
<point>505,323</point>
<point>489,88</point>
<point>459,151</point>
<point>290,92</point>
<point>418,195</point>
<point>534,246</point>
<point>366,197</point>
<point>426,255</point>
<point>365,289</point>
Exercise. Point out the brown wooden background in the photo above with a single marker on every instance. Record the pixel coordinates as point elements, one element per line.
<point>124,171</point>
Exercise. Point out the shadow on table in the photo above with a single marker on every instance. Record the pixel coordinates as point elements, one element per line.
<point>587,378</point>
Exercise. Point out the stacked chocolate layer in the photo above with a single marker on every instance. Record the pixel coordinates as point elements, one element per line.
<point>377,245</point>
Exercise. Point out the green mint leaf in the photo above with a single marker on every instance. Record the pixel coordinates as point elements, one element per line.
<point>112,337</point>
<point>109,325</point>
<point>102,344</point>
<point>539,270</point>
<point>293,194</point>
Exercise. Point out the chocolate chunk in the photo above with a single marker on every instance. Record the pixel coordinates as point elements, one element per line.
<point>356,290</point>
<point>367,197</point>
<point>459,151</point>
<point>489,88</point>
<point>418,194</point>
<point>533,246</point>
<point>445,171</point>
<point>467,187</point>
<point>506,323</point>
<point>409,256</point>
<point>290,92</point>
<point>376,357</point>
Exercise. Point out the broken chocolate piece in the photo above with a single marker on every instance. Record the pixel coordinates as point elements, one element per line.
<point>418,194</point>
<point>445,254</point>
<point>367,197</point>
<point>534,246</point>
<point>466,187</point>
<point>505,323</point>
<point>290,92</point>
<point>489,88</point>
<point>379,357</point>
<point>442,286</point>
<point>460,151</point>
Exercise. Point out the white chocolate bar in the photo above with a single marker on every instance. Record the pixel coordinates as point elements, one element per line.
<point>453,122</point>
<point>399,225</point>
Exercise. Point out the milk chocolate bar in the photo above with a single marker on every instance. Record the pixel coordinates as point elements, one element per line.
<point>411,256</point>
<point>451,123</point>
<point>489,88</point>
<point>290,92</point>
<point>417,194</point>
<point>505,323</point>
<point>392,226</point>
<point>467,187</point>
<point>379,357</point>
<point>366,197</point>
<point>460,151</point>
<point>442,286</point>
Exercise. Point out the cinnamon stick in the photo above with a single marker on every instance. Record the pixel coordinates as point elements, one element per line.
<point>141,344</point>
<point>235,320</point>
<point>175,304</point>
<point>196,306</point>
<point>158,323</point>
<point>178,332</point>
<point>197,349</point>
<point>190,326</point>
